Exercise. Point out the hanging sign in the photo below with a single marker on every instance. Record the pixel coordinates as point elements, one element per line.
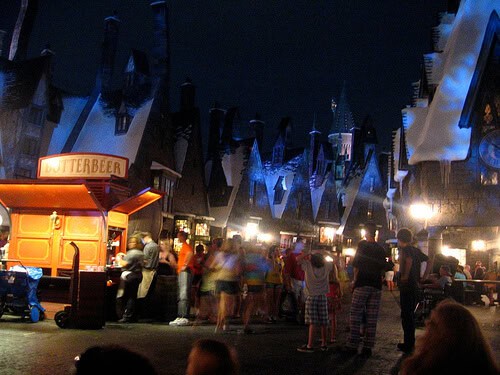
<point>82,165</point>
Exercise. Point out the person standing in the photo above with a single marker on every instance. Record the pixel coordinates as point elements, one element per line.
<point>389,274</point>
<point>151,261</point>
<point>410,259</point>
<point>293,275</point>
<point>255,268</point>
<point>167,265</point>
<point>316,308</point>
<point>368,268</point>
<point>274,283</point>
<point>227,264</point>
<point>184,279</point>
<point>131,277</point>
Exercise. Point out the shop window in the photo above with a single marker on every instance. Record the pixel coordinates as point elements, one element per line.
<point>182,225</point>
<point>202,229</point>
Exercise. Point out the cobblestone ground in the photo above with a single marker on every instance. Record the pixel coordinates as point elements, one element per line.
<point>43,348</point>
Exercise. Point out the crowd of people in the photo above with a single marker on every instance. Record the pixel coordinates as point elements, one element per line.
<point>234,279</point>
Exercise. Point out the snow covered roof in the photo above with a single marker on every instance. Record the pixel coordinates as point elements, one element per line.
<point>98,133</point>
<point>73,106</point>
<point>433,133</point>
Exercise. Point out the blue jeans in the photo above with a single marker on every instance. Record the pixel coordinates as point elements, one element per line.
<point>184,280</point>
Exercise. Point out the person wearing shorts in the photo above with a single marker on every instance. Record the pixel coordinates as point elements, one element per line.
<point>227,286</point>
<point>316,275</point>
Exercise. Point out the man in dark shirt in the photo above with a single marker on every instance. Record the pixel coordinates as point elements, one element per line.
<point>369,265</point>
<point>410,259</point>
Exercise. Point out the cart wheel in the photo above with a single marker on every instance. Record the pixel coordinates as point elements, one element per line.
<point>34,314</point>
<point>42,315</point>
<point>61,318</point>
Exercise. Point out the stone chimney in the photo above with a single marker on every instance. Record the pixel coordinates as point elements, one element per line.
<point>161,43</point>
<point>49,64</point>
<point>188,92</point>
<point>108,51</point>
<point>257,125</point>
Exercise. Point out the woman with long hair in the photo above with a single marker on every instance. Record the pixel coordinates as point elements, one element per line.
<point>453,343</point>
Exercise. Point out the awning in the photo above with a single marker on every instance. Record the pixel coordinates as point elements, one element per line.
<point>50,196</point>
<point>135,203</point>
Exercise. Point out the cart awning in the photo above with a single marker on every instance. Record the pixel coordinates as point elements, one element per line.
<point>53,196</point>
<point>138,201</point>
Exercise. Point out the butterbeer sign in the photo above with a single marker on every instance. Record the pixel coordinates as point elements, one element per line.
<point>82,165</point>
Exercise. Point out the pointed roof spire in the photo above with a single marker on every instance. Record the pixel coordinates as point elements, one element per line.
<point>343,120</point>
<point>314,130</point>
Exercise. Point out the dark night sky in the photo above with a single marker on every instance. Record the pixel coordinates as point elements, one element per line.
<point>278,58</point>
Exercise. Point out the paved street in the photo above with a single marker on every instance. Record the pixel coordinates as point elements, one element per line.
<point>43,348</point>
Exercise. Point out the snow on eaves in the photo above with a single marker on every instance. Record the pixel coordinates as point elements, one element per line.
<point>434,135</point>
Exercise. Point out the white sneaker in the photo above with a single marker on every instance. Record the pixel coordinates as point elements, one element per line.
<point>175,322</point>
<point>183,322</point>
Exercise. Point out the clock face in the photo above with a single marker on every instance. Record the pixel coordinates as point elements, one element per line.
<point>489,149</point>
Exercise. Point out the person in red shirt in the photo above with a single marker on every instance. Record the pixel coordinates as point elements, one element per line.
<point>199,260</point>
<point>184,279</point>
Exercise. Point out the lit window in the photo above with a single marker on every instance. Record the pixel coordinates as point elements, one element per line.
<point>489,178</point>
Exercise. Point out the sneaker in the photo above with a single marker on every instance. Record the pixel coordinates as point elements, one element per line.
<point>305,349</point>
<point>324,348</point>
<point>366,352</point>
<point>174,322</point>
<point>183,322</point>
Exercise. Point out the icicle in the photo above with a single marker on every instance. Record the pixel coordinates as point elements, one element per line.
<point>445,169</point>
